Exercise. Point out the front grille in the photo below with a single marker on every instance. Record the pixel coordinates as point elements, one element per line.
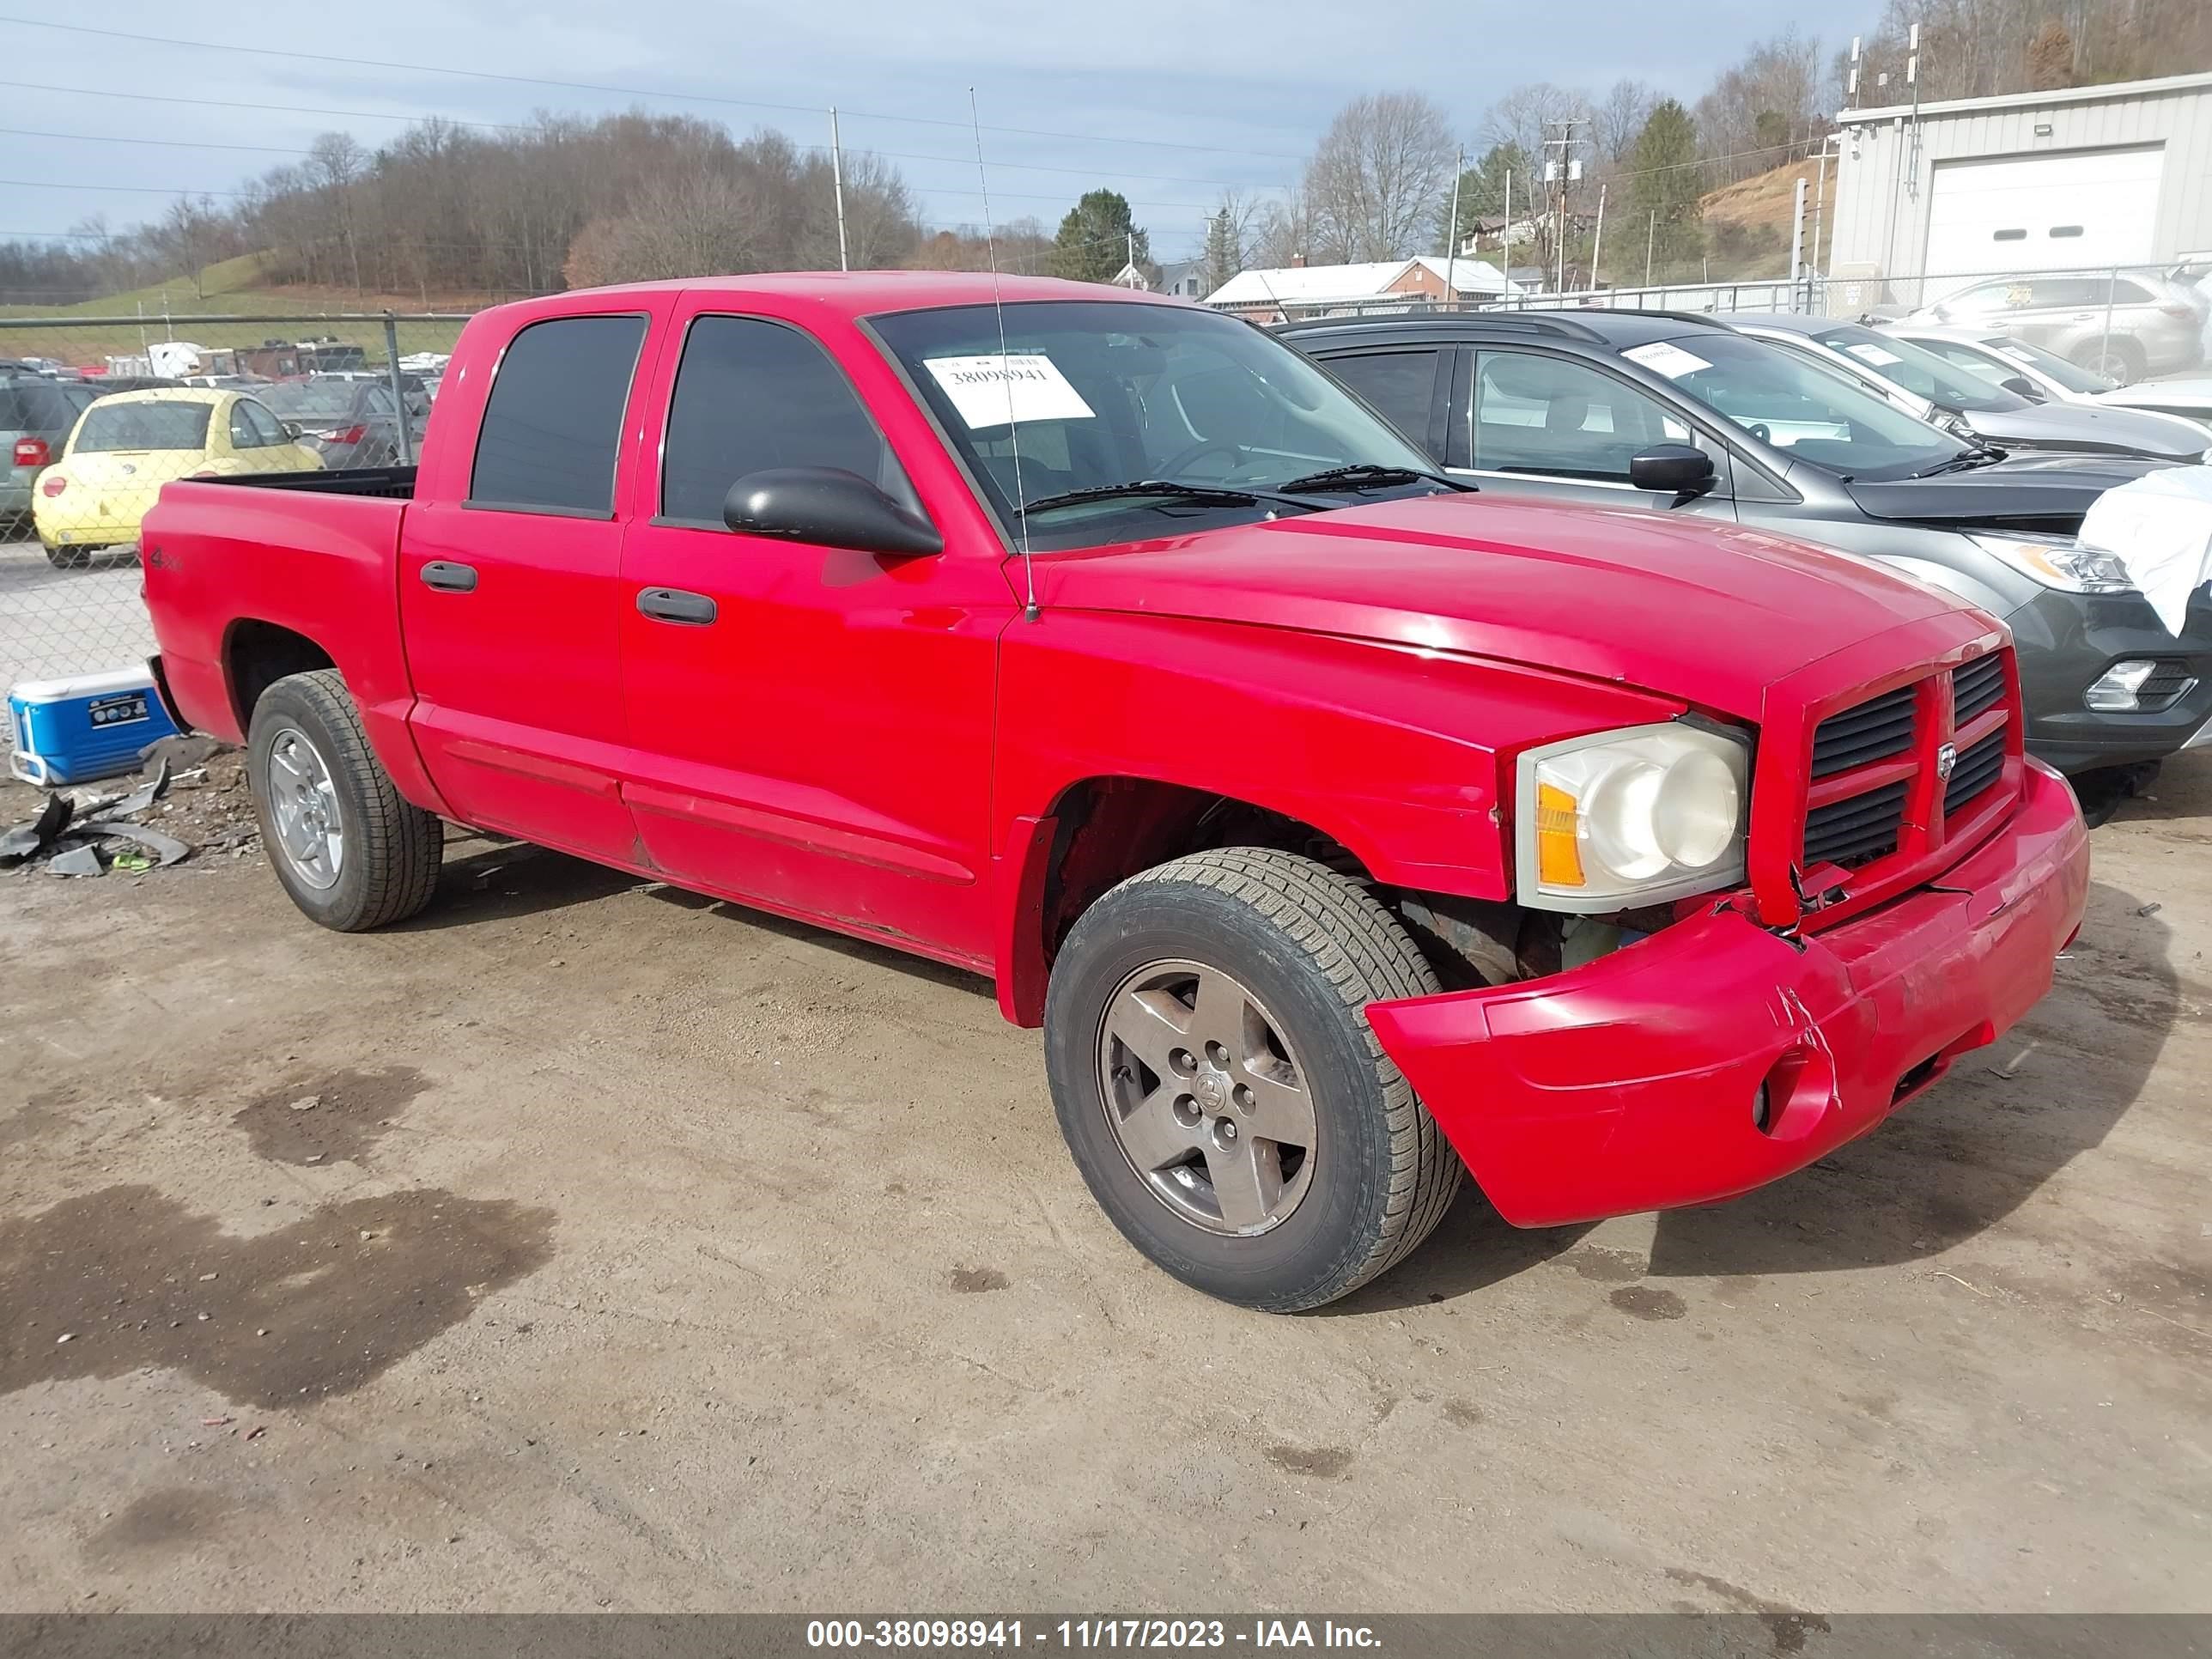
<point>1975,685</point>
<point>1876,730</point>
<point>1977,768</point>
<point>1855,830</point>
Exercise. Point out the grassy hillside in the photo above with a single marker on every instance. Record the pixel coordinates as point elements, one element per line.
<point>1747,223</point>
<point>233,288</point>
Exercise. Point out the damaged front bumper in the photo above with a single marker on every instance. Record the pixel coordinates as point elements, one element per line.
<point>1717,1056</point>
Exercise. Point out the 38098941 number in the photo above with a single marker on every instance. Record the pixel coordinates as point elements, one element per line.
<point>914,1633</point>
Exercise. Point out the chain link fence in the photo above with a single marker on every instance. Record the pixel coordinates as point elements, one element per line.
<point>2115,324</point>
<point>97,413</point>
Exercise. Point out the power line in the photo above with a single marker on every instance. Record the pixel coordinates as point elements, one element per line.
<point>170,143</point>
<point>620,91</point>
<point>520,127</point>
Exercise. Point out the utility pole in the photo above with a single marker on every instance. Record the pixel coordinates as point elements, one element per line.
<point>1798,232</point>
<point>1597,243</point>
<point>1561,170</point>
<point>1651,241</point>
<point>837,180</point>
<point>1451,236</point>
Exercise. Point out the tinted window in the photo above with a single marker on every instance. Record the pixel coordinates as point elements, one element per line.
<point>113,425</point>
<point>309,400</point>
<point>554,420</point>
<point>2067,291</point>
<point>40,406</point>
<point>242,434</point>
<point>750,395</point>
<point>1534,413</point>
<point>1399,386</point>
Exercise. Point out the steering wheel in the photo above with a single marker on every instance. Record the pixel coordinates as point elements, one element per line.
<point>1182,457</point>
<point>1759,430</point>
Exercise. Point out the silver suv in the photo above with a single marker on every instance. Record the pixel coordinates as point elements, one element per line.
<point>2122,327</point>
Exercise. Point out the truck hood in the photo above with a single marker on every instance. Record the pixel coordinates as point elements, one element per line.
<point>1685,607</point>
<point>2024,492</point>
<point>2091,429</point>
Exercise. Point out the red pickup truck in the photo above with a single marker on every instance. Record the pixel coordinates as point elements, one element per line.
<point>1340,825</point>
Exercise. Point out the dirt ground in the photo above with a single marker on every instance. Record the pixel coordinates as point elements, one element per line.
<point>584,1244</point>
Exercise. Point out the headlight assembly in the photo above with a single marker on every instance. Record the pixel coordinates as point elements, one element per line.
<point>1630,817</point>
<point>2058,562</point>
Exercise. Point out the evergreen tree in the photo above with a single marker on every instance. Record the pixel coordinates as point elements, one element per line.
<point>1667,182</point>
<point>1224,250</point>
<point>1094,239</point>
<point>1482,191</point>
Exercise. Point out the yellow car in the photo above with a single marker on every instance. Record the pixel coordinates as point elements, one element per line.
<point>125,447</point>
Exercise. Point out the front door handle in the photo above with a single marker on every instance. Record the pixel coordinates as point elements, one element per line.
<point>450,578</point>
<point>674,605</point>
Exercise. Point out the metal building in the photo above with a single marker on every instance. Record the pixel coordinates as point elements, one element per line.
<point>2082,178</point>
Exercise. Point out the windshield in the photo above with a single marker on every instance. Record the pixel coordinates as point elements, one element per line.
<point>1812,414</point>
<point>2071,375</point>
<point>1107,392</point>
<point>1919,370</point>
<point>112,426</point>
<point>307,400</point>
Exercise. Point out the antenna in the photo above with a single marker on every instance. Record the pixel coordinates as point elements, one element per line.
<point>1005,373</point>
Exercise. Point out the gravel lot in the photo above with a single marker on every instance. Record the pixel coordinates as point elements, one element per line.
<point>585,1244</point>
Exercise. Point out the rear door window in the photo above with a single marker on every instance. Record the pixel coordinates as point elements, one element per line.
<point>553,424</point>
<point>1399,386</point>
<point>752,394</point>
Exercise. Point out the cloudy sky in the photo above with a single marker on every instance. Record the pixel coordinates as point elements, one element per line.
<point>1167,102</point>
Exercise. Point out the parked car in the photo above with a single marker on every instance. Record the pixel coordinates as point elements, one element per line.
<point>1337,823</point>
<point>2123,327</point>
<point>351,421</point>
<point>2023,367</point>
<point>126,447</point>
<point>36,415</point>
<point>1930,387</point>
<point>1679,416</point>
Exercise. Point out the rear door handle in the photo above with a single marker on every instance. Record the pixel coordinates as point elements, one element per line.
<point>674,605</point>
<point>448,577</point>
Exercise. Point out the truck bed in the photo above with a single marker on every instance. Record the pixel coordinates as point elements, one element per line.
<point>395,483</point>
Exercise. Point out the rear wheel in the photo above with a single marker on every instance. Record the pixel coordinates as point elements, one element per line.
<point>1217,1081</point>
<point>68,558</point>
<point>2115,359</point>
<point>349,850</point>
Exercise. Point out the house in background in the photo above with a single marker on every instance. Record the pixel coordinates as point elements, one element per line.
<point>1185,279</point>
<point>1290,292</point>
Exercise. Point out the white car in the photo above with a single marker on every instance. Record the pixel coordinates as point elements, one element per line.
<point>2020,367</point>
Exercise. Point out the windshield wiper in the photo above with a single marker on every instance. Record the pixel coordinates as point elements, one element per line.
<point>1362,475</point>
<point>1202,495</point>
<point>1982,456</point>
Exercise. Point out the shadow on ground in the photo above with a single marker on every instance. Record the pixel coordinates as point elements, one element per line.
<point>1972,1151</point>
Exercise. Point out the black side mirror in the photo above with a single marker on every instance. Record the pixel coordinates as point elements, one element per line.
<point>2021,387</point>
<point>831,506</point>
<point>1672,469</point>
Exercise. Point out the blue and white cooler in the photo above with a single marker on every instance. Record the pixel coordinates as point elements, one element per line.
<point>91,725</point>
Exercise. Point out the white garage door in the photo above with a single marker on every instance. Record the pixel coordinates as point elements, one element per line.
<point>2043,212</point>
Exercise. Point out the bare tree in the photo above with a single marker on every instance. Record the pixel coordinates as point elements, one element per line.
<point>1284,234</point>
<point>1617,120</point>
<point>1372,184</point>
<point>336,162</point>
<point>1526,114</point>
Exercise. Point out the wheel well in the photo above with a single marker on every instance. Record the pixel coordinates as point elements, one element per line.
<point>1107,829</point>
<point>258,654</point>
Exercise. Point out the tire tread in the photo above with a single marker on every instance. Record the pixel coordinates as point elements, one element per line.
<point>1364,955</point>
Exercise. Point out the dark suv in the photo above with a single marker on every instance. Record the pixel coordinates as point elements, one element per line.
<point>36,415</point>
<point>1659,412</point>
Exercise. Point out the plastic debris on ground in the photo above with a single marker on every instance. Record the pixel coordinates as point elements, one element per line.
<point>193,789</point>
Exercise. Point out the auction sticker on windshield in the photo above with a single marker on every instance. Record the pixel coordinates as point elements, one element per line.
<point>1880,356</point>
<point>990,390</point>
<point>1663,357</point>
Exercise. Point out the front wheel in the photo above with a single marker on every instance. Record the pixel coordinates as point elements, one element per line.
<point>1217,1081</point>
<point>352,853</point>
<point>2120,361</point>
